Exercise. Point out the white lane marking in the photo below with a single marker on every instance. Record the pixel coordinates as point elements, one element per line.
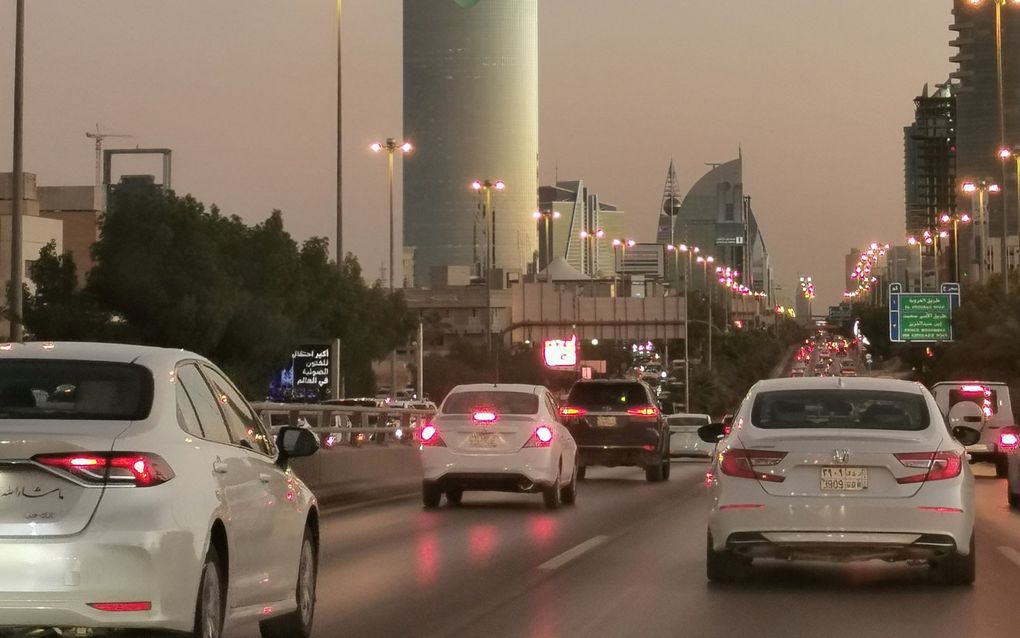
<point>1011,554</point>
<point>572,553</point>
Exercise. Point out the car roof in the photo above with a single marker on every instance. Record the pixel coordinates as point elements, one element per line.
<point>969,382</point>
<point>697,414</point>
<point>498,387</point>
<point>605,381</point>
<point>150,356</point>
<point>839,383</point>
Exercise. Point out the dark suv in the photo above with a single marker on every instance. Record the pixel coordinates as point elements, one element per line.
<point>617,422</point>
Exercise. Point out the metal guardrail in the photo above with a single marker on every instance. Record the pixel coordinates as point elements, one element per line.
<point>346,425</point>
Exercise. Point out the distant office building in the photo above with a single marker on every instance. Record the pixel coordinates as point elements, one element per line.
<point>78,210</point>
<point>929,145</point>
<point>977,111</point>
<point>717,217</point>
<point>582,228</point>
<point>471,109</point>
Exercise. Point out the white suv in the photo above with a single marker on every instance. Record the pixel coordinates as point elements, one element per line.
<point>139,490</point>
<point>995,412</point>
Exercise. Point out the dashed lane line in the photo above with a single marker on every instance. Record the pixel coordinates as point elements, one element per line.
<point>1011,554</point>
<point>572,553</point>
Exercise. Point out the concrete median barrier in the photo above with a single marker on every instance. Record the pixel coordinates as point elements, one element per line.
<point>347,474</point>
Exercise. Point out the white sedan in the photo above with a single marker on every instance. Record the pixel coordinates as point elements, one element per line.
<point>139,490</point>
<point>498,437</point>
<point>841,469</point>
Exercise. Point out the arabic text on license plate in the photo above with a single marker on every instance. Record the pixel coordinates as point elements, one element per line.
<point>844,479</point>
<point>483,439</point>
<point>605,421</point>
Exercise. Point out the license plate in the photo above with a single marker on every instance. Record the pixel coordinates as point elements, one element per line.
<point>605,421</point>
<point>28,495</point>
<point>844,479</point>
<point>484,439</point>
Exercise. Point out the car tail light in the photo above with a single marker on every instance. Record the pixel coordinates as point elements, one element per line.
<point>429,436</point>
<point>484,416</point>
<point>134,469</point>
<point>973,389</point>
<point>132,606</point>
<point>645,411</point>
<point>571,411</point>
<point>541,437</point>
<point>1009,441</point>
<point>746,464</point>
<point>938,466</point>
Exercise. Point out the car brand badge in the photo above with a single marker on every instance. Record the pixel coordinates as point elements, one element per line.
<point>841,456</point>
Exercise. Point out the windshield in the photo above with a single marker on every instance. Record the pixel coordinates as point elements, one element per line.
<point>499,402</point>
<point>32,389</point>
<point>850,409</point>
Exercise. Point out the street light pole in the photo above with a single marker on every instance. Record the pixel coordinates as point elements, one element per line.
<point>339,141</point>
<point>391,147</point>
<point>490,252</point>
<point>17,175</point>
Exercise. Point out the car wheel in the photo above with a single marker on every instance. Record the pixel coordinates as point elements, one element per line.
<point>569,492</point>
<point>1002,466</point>
<point>667,466</point>
<point>211,596</point>
<point>551,493</point>
<point>581,472</point>
<point>724,566</point>
<point>430,495</point>
<point>298,623</point>
<point>454,496</point>
<point>956,569</point>
<point>653,473</point>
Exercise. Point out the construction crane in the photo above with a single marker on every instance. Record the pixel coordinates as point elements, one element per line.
<point>99,137</point>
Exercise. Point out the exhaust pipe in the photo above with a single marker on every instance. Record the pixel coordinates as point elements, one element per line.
<point>526,485</point>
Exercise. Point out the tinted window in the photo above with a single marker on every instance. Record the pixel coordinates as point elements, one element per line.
<point>500,402</point>
<point>687,420</point>
<point>612,396</point>
<point>983,396</point>
<point>245,426</point>
<point>54,389</point>
<point>209,415</point>
<point>187,418</point>
<point>852,409</point>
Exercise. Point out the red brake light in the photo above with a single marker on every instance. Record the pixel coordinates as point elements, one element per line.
<point>133,606</point>
<point>1009,441</point>
<point>570,411</point>
<point>136,469</point>
<point>541,437</point>
<point>484,416</point>
<point>429,436</point>
<point>644,411</point>
<point>972,389</point>
<point>939,466</point>
<point>745,464</point>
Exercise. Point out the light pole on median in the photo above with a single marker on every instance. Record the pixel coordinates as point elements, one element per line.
<point>391,147</point>
<point>962,218</point>
<point>981,188</point>
<point>487,186</point>
<point>705,261</point>
<point>17,176</point>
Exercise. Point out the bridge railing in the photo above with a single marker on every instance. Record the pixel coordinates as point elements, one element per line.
<point>347,425</point>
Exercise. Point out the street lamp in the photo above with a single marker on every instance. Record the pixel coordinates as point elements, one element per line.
<point>981,187</point>
<point>691,251</point>
<point>914,241</point>
<point>391,147</point>
<point>1005,155</point>
<point>545,235</point>
<point>705,261</point>
<point>957,219</point>
<point>487,186</point>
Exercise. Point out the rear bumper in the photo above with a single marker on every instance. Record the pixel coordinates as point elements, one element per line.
<point>536,465</point>
<point>843,546</point>
<point>50,582</point>
<point>616,455</point>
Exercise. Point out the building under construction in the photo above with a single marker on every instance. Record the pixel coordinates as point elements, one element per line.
<point>929,144</point>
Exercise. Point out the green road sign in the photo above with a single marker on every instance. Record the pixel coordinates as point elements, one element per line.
<point>925,317</point>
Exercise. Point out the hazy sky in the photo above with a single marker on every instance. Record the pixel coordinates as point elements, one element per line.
<point>816,92</point>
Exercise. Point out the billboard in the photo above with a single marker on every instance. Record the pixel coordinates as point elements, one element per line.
<point>922,317</point>
<point>560,353</point>
<point>308,377</point>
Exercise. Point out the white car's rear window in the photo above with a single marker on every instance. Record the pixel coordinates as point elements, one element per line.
<point>56,389</point>
<point>496,401</point>
<point>850,409</point>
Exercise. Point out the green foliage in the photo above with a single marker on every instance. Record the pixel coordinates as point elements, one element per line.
<point>171,273</point>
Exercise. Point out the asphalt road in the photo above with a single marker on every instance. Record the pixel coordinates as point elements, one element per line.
<point>628,560</point>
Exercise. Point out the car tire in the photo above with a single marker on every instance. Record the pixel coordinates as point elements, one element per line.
<point>210,603</point>
<point>430,495</point>
<point>1001,466</point>
<point>958,570</point>
<point>298,623</point>
<point>667,466</point>
<point>582,471</point>
<point>454,496</point>
<point>569,492</point>
<point>551,493</point>
<point>724,566</point>
<point>653,473</point>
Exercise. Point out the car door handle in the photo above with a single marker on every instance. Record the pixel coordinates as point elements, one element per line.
<point>219,467</point>
<point>264,478</point>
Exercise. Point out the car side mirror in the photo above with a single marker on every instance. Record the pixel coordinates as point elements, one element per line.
<point>966,435</point>
<point>712,433</point>
<point>295,442</point>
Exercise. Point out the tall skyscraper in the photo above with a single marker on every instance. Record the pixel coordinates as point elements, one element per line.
<point>929,145</point>
<point>471,110</point>
<point>977,108</point>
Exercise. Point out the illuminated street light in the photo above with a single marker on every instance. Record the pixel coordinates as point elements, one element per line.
<point>980,188</point>
<point>487,186</point>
